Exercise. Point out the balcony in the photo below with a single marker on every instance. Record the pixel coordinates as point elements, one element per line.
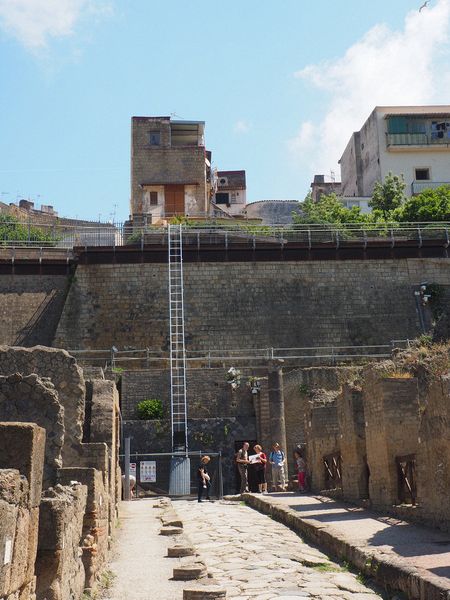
<point>418,139</point>
<point>419,186</point>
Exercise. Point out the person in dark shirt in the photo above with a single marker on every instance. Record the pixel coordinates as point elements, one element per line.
<point>203,478</point>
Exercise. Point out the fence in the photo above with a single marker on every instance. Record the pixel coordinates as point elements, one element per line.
<point>240,234</point>
<point>145,358</point>
<point>152,471</point>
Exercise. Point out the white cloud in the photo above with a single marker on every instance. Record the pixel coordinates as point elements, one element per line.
<point>241,126</point>
<point>34,22</point>
<point>384,67</point>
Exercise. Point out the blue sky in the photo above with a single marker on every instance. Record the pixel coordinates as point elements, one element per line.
<point>281,86</point>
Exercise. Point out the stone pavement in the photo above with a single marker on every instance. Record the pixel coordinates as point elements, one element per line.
<point>255,558</point>
<point>417,558</point>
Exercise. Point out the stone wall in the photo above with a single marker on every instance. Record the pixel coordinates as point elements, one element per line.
<point>67,378</point>
<point>29,398</point>
<point>322,435</point>
<point>433,455</point>
<point>248,305</point>
<point>391,410</point>
<point>21,466</point>
<point>77,515</point>
<point>59,566</point>
<point>352,443</point>
<point>30,308</point>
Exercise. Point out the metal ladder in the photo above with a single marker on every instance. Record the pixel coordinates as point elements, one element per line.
<point>177,348</point>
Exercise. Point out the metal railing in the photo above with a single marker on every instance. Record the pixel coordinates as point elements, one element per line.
<point>236,234</point>
<point>420,186</point>
<point>146,358</point>
<point>418,139</point>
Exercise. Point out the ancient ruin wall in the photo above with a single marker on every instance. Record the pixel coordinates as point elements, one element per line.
<point>34,400</point>
<point>67,378</point>
<point>248,305</point>
<point>433,455</point>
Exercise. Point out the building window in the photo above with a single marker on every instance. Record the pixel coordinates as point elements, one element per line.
<point>222,198</point>
<point>153,198</point>
<point>422,174</point>
<point>154,138</point>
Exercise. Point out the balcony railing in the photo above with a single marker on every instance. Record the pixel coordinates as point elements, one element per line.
<point>419,186</point>
<point>417,139</point>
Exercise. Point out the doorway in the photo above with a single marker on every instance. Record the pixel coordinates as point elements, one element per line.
<point>174,200</point>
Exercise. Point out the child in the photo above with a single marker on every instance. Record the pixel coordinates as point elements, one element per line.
<point>301,470</point>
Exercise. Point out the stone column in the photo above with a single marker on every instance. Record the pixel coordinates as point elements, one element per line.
<point>276,403</point>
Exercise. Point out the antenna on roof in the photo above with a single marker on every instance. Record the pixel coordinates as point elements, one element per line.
<point>174,114</point>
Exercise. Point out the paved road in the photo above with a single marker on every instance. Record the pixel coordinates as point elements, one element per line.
<point>256,558</point>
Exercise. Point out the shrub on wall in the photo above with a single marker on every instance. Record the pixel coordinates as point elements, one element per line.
<point>149,410</point>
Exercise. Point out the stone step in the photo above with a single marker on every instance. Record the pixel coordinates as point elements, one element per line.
<point>204,592</point>
<point>189,571</point>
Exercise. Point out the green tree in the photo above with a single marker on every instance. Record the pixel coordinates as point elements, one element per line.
<point>389,195</point>
<point>328,209</point>
<point>430,205</point>
<point>12,230</point>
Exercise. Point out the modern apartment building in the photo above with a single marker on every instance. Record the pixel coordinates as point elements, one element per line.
<point>410,140</point>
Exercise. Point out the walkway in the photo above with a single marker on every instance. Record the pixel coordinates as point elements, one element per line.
<point>420,551</point>
<point>140,566</point>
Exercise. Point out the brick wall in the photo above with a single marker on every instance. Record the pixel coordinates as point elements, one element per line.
<point>244,305</point>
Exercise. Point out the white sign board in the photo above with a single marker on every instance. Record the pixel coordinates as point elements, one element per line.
<point>8,552</point>
<point>148,471</point>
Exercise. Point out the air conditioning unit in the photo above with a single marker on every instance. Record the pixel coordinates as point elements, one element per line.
<point>223,181</point>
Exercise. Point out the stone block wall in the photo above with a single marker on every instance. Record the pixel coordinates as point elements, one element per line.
<point>30,308</point>
<point>47,387</point>
<point>391,409</point>
<point>22,447</point>
<point>231,305</point>
<point>299,387</point>
<point>433,455</point>
<point>322,436</point>
<point>352,443</point>
<point>60,570</point>
<point>67,379</point>
<point>32,399</point>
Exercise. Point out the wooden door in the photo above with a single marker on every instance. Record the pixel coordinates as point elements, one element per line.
<point>173,200</point>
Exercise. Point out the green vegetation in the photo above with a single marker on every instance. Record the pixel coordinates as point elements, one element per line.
<point>389,205</point>
<point>150,410</point>
<point>430,205</point>
<point>12,230</point>
<point>327,568</point>
<point>388,196</point>
<point>328,209</point>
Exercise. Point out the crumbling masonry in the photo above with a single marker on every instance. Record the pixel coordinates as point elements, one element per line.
<point>59,475</point>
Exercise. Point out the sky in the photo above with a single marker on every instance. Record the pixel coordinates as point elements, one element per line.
<point>281,86</point>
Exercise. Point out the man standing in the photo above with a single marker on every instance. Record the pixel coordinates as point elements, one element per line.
<point>277,459</point>
<point>242,465</point>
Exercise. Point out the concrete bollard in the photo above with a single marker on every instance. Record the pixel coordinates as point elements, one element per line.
<point>204,592</point>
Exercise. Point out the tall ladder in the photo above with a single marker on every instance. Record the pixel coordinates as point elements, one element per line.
<point>177,347</point>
